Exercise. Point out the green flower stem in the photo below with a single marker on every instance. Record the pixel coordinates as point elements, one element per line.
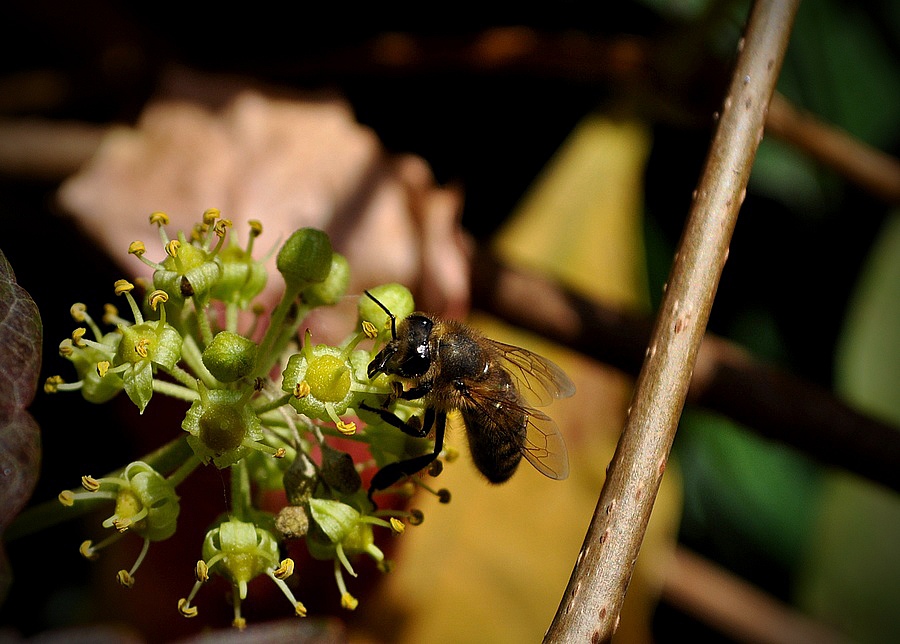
<point>178,476</point>
<point>232,311</point>
<point>192,355</point>
<point>174,390</point>
<point>269,405</point>
<point>182,376</point>
<point>203,323</point>
<point>289,332</point>
<point>268,350</point>
<point>240,491</point>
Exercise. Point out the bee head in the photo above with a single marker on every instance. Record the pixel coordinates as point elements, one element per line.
<point>408,355</point>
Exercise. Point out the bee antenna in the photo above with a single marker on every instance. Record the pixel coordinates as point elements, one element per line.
<point>387,311</point>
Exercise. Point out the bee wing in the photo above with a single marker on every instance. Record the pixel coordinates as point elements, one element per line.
<point>539,380</point>
<point>543,446</point>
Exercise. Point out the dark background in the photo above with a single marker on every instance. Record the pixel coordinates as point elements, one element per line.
<point>490,129</point>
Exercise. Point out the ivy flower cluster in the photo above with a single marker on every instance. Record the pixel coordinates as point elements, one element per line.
<point>261,403</point>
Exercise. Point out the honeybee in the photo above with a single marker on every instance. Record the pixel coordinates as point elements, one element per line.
<point>494,386</point>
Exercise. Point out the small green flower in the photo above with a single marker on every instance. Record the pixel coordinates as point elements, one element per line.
<point>91,359</point>
<point>340,531</point>
<point>240,551</point>
<point>191,268</point>
<point>145,504</point>
<point>243,278</point>
<point>223,427</point>
<point>143,346</point>
<point>327,382</point>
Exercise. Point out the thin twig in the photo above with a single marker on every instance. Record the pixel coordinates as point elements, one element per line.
<point>875,171</point>
<point>590,607</point>
<point>736,608</point>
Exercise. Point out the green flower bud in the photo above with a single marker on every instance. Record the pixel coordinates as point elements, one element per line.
<point>332,288</point>
<point>396,298</point>
<point>305,257</point>
<point>230,356</point>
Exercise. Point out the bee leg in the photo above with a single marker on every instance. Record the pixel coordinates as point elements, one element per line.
<point>413,427</point>
<point>393,472</point>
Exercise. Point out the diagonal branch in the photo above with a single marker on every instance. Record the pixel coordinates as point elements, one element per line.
<point>592,602</point>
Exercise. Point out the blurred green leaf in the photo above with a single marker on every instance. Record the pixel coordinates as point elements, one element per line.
<point>747,494</point>
<point>850,577</point>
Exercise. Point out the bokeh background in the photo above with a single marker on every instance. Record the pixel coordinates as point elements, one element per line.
<point>568,138</point>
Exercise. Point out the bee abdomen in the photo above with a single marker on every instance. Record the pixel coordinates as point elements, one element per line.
<point>495,452</point>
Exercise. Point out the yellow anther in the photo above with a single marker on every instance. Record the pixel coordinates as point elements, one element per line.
<point>450,454</point>
<point>197,232</point>
<point>137,248</point>
<point>87,550</point>
<point>280,453</point>
<point>210,215</point>
<point>89,483</point>
<point>66,348</point>
<point>159,218</point>
<point>110,313</point>
<point>301,389</point>
<point>78,311</point>
<point>239,623</point>
<point>255,227</point>
<point>349,602</point>
<point>172,248</point>
<point>369,329</point>
<point>300,609</point>
<point>158,297</point>
<point>102,367</point>
<point>141,347</point>
<point>123,286</point>
<point>397,526</point>
<point>77,334</point>
<point>221,227</point>
<point>66,498</point>
<point>201,572</point>
<point>347,429</point>
<point>125,579</point>
<point>51,384</point>
<point>122,524</point>
<point>185,608</point>
<point>285,570</point>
